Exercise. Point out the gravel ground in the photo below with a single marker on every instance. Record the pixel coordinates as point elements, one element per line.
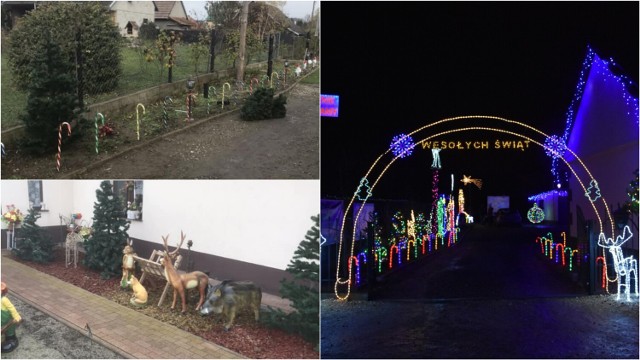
<point>489,296</point>
<point>43,337</point>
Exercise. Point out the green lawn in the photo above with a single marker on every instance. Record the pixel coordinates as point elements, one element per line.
<point>313,78</point>
<point>137,75</point>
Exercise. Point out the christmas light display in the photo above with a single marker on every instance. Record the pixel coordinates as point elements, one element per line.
<point>554,147</point>
<point>595,189</point>
<point>380,166</point>
<point>415,249</point>
<point>355,261</point>
<point>545,195</point>
<point>363,183</point>
<point>436,159</point>
<point>402,145</point>
<point>535,214</point>
<point>434,201</point>
<point>625,267</point>
<point>468,180</point>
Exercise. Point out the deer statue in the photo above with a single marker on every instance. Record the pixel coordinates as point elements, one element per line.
<point>128,263</point>
<point>182,282</point>
<point>624,266</point>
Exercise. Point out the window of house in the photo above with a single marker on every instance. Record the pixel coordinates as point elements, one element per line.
<point>131,194</point>
<point>145,21</point>
<point>35,193</point>
<point>129,29</point>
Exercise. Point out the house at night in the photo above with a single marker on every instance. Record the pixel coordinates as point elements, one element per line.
<point>602,130</point>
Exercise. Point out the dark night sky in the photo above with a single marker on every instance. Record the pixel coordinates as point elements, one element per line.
<point>400,65</point>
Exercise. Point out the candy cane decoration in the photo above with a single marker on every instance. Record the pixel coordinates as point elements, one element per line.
<point>96,120</point>
<point>223,85</point>
<point>212,90</point>
<point>277,76</point>
<point>251,85</point>
<point>138,119</point>
<point>165,115</point>
<point>60,141</point>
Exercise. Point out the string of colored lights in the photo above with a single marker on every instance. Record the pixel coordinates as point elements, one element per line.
<point>545,195</point>
<point>535,214</point>
<point>340,281</point>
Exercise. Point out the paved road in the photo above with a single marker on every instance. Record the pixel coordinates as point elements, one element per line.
<point>487,297</point>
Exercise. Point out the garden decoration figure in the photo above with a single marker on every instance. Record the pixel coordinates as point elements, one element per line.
<point>230,296</point>
<point>97,131</point>
<point>10,320</point>
<point>286,67</point>
<point>251,85</point>
<point>191,99</point>
<point>298,70</point>
<point>182,282</point>
<point>60,141</point>
<point>223,85</point>
<point>165,114</point>
<point>624,266</point>
<point>12,217</point>
<point>140,295</point>
<point>436,159</point>
<point>138,119</point>
<point>128,264</point>
<point>72,240</point>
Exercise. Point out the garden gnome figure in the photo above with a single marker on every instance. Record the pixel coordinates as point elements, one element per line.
<point>128,264</point>
<point>10,320</point>
<point>298,70</point>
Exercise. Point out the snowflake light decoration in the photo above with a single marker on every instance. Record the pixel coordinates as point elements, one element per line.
<point>554,146</point>
<point>402,145</point>
<point>535,214</point>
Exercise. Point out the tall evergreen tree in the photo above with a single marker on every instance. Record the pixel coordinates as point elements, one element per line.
<point>51,99</point>
<point>104,247</point>
<point>34,244</point>
<point>304,290</point>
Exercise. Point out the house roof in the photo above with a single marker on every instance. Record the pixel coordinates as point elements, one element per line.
<point>183,21</point>
<point>163,9</point>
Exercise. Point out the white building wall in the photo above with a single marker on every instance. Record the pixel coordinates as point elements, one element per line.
<point>256,221</point>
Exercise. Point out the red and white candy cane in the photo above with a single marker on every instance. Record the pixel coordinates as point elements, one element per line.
<point>251,85</point>
<point>60,141</point>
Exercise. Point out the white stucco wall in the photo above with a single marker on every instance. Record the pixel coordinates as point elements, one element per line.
<point>256,221</point>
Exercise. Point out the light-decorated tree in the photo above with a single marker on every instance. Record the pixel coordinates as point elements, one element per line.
<point>34,244</point>
<point>633,198</point>
<point>303,291</point>
<point>104,247</point>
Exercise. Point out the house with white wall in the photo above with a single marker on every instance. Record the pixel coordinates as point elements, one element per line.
<point>241,229</point>
<point>130,15</point>
<point>602,129</point>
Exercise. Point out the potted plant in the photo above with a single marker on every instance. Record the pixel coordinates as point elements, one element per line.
<point>132,211</point>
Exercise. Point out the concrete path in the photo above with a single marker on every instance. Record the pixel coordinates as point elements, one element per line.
<point>125,331</point>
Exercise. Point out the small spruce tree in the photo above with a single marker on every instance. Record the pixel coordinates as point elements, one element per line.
<point>303,291</point>
<point>34,244</point>
<point>104,247</point>
<point>262,105</point>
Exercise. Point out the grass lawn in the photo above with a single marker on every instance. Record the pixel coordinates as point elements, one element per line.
<point>313,78</point>
<point>137,75</point>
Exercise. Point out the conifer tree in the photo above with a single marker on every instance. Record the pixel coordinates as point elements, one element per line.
<point>104,247</point>
<point>303,291</point>
<point>51,99</point>
<point>34,244</point>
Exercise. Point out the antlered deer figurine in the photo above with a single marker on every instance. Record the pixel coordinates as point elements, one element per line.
<point>182,282</point>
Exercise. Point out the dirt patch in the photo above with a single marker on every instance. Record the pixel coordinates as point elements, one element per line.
<point>220,147</point>
<point>251,339</point>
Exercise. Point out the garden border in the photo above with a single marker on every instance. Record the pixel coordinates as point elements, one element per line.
<point>94,165</point>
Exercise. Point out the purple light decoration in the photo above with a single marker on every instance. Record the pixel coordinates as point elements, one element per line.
<point>402,145</point>
<point>545,195</point>
<point>620,82</point>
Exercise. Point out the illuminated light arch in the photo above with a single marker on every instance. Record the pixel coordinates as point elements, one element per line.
<point>407,151</point>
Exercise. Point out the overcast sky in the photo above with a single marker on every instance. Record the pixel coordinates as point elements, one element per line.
<point>296,9</point>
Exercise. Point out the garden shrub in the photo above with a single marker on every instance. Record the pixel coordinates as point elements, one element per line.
<point>262,105</point>
<point>34,244</point>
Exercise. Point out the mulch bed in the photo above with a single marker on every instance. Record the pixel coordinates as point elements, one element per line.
<point>251,339</point>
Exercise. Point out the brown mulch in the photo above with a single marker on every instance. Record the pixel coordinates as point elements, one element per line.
<point>247,337</point>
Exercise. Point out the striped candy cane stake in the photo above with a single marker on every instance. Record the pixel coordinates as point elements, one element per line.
<point>277,76</point>
<point>138,119</point>
<point>60,141</point>
<point>223,85</point>
<point>97,132</point>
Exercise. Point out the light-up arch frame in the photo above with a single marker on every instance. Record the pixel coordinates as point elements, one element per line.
<point>347,282</point>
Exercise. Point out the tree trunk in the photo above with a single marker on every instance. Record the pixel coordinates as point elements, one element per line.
<point>244,15</point>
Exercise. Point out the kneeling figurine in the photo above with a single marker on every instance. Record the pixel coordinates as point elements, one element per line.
<point>139,297</point>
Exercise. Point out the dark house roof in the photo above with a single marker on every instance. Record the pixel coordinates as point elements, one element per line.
<point>163,9</point>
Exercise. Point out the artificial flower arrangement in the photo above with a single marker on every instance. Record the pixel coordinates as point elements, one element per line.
<point>13,215</point>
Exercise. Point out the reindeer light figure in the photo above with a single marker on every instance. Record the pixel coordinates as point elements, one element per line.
<point>624,266</point>
<point>182,282</point>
